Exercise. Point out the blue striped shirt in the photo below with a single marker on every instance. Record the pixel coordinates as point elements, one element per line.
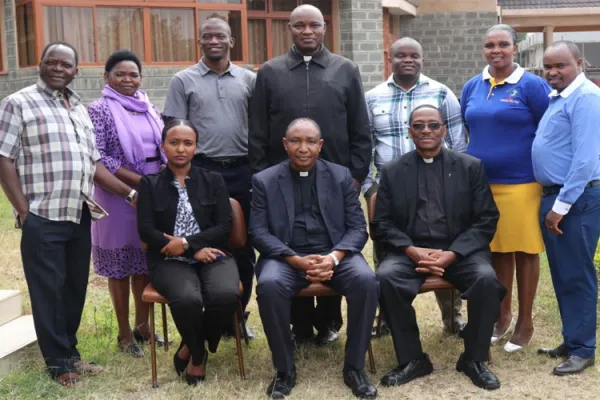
<point>389,108</point>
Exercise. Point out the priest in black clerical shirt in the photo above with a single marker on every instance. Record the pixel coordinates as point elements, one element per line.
<point>307,223</point>
<point>435,215</point>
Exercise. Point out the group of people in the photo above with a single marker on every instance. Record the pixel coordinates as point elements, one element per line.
<point>470,191</point>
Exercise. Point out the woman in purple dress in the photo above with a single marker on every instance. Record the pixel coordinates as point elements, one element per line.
<point>128,134</point>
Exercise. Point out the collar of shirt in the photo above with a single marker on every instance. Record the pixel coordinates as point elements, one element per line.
<point>73,97</point>
<point>423,80</point>
<point>571,88</point>
<point>204,69</point>
<point>321,57</point>
<point>514,78</point>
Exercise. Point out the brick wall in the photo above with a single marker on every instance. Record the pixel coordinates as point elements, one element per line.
<point>361,38</point>
<point>452,44</point>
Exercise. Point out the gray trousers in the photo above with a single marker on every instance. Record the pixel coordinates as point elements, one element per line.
<point>278,282</point>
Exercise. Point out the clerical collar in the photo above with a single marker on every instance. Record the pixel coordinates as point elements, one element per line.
<point>302,174</point>
<point>432,160</point>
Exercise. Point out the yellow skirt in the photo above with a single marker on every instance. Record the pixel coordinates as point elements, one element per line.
<point>519,223</point>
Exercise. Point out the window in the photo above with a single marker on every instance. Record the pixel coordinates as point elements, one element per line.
<point>25,35</point>
<point>3,66</point>
<point>119,28</point>
<point>173,34</point>
<point>71,25</point>
<point>234,19</point>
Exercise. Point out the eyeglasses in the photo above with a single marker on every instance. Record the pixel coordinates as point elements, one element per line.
<point>434,126</point>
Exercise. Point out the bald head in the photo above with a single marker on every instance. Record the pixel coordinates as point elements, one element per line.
<point>407,42</point>
<point>215,21</point>
<point>305,9</point>
<point>304,123</point>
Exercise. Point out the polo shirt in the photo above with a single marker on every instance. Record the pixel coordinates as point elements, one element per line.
<point>502,120</point>
<point>217,106</point>
<point>566,149</point>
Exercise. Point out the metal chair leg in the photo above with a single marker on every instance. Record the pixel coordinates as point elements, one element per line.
<point>379,320</point>
<point>243,321</point>
<point>165,330</point>
<point>371,359</point>
<point>238,343</point>
<point>153,347</point>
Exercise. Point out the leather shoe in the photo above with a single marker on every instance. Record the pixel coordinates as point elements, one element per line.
<point>360,384</point>
<point>558,352</point>
<point>282,384</point>
<point>573,365</point>
<point>302,340</point>
<point>412,370</point>
<point>480,375</point>
<point>326,336</point>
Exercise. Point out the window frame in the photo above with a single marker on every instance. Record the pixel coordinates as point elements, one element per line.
<point>147,5</point>
<point>3,60</point>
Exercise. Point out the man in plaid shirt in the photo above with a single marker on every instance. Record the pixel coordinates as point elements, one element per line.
<point>389,106</point>
<point>48,165</point>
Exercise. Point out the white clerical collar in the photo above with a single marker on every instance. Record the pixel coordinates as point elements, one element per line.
<point>514,78</point>
<point>571,88</point>
<point>307,59</point>
<point>303,174</point>
<point>428,160</point>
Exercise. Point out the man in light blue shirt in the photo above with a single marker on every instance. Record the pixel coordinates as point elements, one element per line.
<point>566,161</point>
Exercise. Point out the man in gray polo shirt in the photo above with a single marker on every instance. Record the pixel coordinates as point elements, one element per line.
<point>214,95</point>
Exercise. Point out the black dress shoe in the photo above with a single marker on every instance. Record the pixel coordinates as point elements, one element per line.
<point>573,365</point>
<point>384,330</point>
<point>557,352</point>
<point>282,384</point>
<point>160,341</point>
<point>360,384</point>
<point>132,348</point>
<point>302,340</point>
<point>179,363</point>
<point>412,370</point>
<point>326,336</point>
<point>479,374</point>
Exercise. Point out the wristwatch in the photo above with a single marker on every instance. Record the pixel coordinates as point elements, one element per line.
<point>186,245</point>
<point>336,262</point>
<point>130,196</point>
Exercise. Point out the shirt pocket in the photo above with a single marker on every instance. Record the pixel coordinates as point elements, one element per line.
<point>382,115</point>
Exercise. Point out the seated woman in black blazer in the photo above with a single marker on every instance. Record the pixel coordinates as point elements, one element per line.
<point>184,217</point>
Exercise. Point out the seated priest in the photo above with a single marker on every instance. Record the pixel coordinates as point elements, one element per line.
<point>307,224</point>
<point>435,215</point>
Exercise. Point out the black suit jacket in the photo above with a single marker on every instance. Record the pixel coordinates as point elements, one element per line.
<point>470,208</point>
<point>157,210</point>
<point>272,212</point>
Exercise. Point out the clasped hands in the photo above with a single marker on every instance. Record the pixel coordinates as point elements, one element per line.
<point>430,261</point>
<point>318,268</point>
<point>175,248</point>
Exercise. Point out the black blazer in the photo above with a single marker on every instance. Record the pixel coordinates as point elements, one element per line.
<point>470,208</point>
<point>272,213</point>
<point>157,210</point>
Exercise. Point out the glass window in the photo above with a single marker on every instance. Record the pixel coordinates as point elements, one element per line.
<point>25,35</point>
<point>284,5</point>
<point>72,25</point>
<point>257,41</point>
<point>219,1</point>
<point>282,39</point>
<point>259,5</point>
<point>173,34</point>
<point>119,28</point>
<point>323,5</point>
<point>234,19</point>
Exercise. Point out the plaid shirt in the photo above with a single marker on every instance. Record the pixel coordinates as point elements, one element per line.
<point>55,151</point>
<point>389,108</point>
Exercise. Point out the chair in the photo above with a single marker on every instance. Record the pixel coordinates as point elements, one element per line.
<point>237,239</point>
<point>318,289</point>
<point>432,283</point>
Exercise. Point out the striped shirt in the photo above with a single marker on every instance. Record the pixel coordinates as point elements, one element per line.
<point>54,151</point>
<point>389,108</point>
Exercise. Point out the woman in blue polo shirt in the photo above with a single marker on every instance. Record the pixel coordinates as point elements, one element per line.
<point>502,107</point>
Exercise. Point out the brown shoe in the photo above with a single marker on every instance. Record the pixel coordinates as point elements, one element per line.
<point>68,380</point>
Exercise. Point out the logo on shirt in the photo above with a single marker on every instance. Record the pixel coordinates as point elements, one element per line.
<point>510,98</point>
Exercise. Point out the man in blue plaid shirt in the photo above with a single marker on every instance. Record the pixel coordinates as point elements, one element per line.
<point>389,106</point>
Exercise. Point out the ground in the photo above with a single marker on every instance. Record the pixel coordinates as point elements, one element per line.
<point>523,375</point>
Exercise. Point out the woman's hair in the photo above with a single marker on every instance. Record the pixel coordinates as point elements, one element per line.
<point>506,28</point>
<point>119,56</point>
<point>172,123</point>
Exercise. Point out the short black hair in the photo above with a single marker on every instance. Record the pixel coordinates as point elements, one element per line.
<point>299,121</point>
<point>50,45</point>
<point>119,56</point>
<point>505,28</point>
<point>172,123</point>
<point>573,48</point>
<point>215,17</point>
<point>410,119</point>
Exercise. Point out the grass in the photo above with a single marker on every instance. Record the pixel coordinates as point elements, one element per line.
<point>523,375</point>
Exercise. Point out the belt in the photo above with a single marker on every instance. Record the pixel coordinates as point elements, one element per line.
<point>548,190</point>
<point>153,159</point>
<point>223,162</point>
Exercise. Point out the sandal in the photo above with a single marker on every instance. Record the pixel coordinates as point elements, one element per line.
<point>88,367</point>
<point>68,380</point>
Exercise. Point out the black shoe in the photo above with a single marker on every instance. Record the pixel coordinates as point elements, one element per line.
<point>326,336</point>
<point>573,365</point>
<point>302,340</point>
<point>412,370</point>
<point>229,332</point>
<point>456,329</point>
<point>160,341</point>
<point>179,364</point>
<point>250,334</point>
<point>480,375</point>
<point>360,384</point>
<point>384,330</point>
<point>132,348</point>
<point>557,352</point>
<point>193,380</point>
<point>282,384</point>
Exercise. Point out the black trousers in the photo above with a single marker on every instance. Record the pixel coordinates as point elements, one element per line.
<point>278,282</point>
<point>202,298</point>
<point>473,276</point>
<point>238,179</point>
<point>56,262</point>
